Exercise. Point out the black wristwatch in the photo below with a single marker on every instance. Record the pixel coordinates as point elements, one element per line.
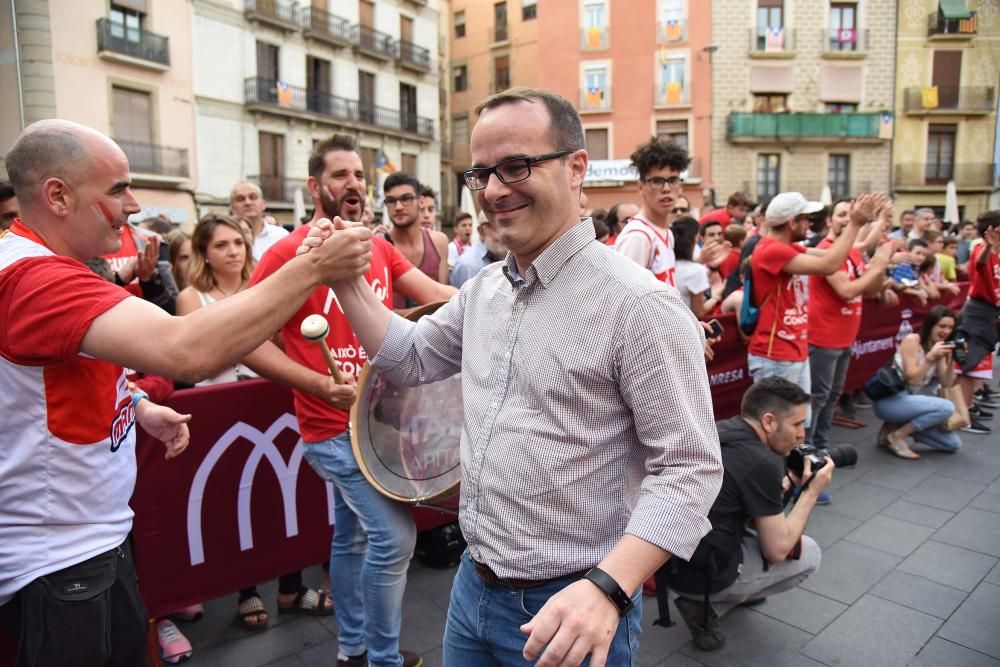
<point>610,587</point>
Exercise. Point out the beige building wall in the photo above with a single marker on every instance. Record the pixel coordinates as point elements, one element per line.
<point>974,116</point>
<point>738,71</point>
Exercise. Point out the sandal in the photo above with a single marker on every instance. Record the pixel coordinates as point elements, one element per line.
<point>308,602</point>
<point>174,646</point>
<point>253,608</point>
<point>900,448</point>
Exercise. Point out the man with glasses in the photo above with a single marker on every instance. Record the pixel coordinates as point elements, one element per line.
<point>589,453</point>
<point>425,248</point>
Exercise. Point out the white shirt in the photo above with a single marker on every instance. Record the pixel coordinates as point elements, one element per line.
<point>692,278</point>
<point>268,236</point>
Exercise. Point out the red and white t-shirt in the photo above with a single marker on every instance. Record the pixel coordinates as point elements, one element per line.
<point>784,311</point>
<point>125,254</point>
<point>319,420</point>
<point>984,281</point>
<point>655,243</point>
<point>833,322</point>
<point>67,467</point>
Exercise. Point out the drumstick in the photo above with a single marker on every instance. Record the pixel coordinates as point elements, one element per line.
<point>316,328</point>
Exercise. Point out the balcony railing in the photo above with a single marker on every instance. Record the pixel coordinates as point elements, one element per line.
<point>500,32</point>
<point>949,99</point>
<point>413,56</point>
<point>669,32</point>
<point>279,188</point>
<point>939,26</point>
<point>155,159</point>
<point>323,25</point>
<point>282,13</point>
<point>374,42</point>
<point>743,125</point>
<point>772,40</point>
<point>965,175</point>
<point>672,93</point>
<point>845,41</point>
<point>595,99</point>
<point>595,38</point>
<point>133,42</point>
<point>267,92</point>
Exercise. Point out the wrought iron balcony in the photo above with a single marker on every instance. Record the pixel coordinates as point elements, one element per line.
<point>743,126</point>
<point>277,188</point>
<point>132,42</point>
<point>595,38</point>
<point>764,40</point>
<point>937,174</point>
<point>413,56</point>
<point>595,99</point>
<point>374,43</point>
<point>500,32</point>
<point>282,14</point>
<point>670,32</point>
<point>322,25</point>
<point>844,41</point>
<point>949,100</point>
<point>259,91</point>
<point>939,26</point>
<point>155,159</point>
<point>671,94</point>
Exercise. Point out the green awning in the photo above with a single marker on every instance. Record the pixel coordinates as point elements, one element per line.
<point>955,9</point>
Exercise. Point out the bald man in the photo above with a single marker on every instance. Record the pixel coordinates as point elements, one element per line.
<point>68,465</point>
<point>247,201</point>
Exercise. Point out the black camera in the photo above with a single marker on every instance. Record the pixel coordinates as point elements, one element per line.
<point>960,343</point>
<point>844,456</point>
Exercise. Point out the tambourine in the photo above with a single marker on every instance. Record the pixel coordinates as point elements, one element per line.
<point>406,439</point>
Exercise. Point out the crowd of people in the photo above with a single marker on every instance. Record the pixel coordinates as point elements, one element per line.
<point>571,422</point>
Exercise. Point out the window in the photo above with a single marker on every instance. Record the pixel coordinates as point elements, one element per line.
<point>596,91</point>
<point>366,13</point>
<point>675,130</point>
<point>770,103</point>
<point>843,32</point>
<point>597,143</point>
<point>409,164</point>
<point>529,9</point>
<point>768,174</point>
<point>501,73</point>
<point>406,29</point>
<point>838,175</point>
<point>460,76</point>
<point>841,107</point>
<point>460,130</point>
<point>132,126</point>
<point>595,28</point>
<point>272,166</point>
<point>672,81</point>
<point>408,107</point>
<point>940,153</point>
<point>500,22</point>
<point>366,97</point>
<point>459,24</point>
<point>671,21</point>
<point>267,61</point>
<point>770,25</point>
<point>369,158</point>
<point>125,23</point>
<point>318,85</point>
<point>946,72</point>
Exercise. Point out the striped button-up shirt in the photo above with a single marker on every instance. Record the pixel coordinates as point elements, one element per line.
<point>587,408</point>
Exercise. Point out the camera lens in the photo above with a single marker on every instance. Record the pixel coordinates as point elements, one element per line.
<point>844,456</point>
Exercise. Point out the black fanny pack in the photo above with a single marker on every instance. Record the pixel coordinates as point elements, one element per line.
<point>887,381</point>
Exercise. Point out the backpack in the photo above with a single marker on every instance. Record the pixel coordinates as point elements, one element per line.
<point>749,313</point>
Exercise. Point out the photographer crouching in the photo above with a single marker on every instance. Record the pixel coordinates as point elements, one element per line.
<point>762,463</point>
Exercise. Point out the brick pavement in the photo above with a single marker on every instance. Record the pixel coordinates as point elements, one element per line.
<point>910,576</point>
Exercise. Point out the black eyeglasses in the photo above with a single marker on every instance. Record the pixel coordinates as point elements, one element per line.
<point>674,182</point>
<point>514,170</point>
<point>405,200</point>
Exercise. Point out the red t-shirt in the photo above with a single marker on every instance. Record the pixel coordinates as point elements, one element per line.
<point>984,281</point>
<point>833,322</point>
<point>784,311</point>
<point>125,254</point>
<point>317,419</point>
<point>719,215</point>
<point>730,264</point>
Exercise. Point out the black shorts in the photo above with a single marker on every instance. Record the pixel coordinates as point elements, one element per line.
<point>978,324</point>
<point>86,614</point>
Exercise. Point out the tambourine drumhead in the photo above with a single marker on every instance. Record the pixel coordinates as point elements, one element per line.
<point>406,439</point>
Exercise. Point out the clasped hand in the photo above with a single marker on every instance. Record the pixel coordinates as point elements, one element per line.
<point>342,249</point>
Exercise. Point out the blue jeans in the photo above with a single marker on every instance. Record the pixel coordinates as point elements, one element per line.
<point>925,413</point>
<point>373,542</point>
<point>483,628</point>
<point>827,372</point>
<point>793,371</point>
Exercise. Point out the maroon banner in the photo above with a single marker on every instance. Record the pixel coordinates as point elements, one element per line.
<point>239,507</point>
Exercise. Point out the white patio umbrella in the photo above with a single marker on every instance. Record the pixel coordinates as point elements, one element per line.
<point>826,196</point>
<point>951,204</point>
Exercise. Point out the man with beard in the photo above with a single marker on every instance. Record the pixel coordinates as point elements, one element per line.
<point>489,249</point>
<point>247,201</point>
<point>425,248</point>
<point>367,582</point>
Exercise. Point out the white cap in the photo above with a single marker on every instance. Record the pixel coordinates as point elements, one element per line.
<point>788,205</point>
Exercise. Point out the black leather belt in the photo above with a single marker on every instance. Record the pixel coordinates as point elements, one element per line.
<point>490,577</point>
